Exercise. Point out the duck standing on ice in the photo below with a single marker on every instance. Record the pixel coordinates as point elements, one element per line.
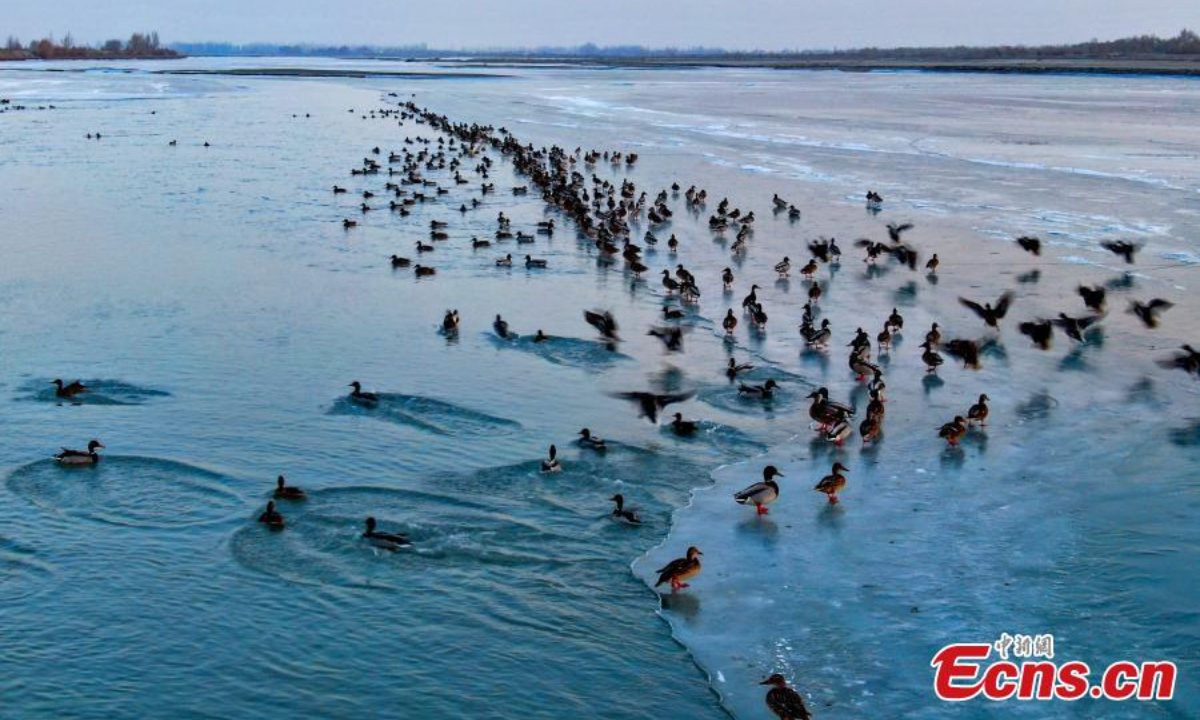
<point>761,494</point>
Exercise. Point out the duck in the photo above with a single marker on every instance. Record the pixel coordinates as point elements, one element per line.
<point>1030,244</point>
<point>783,267</point>
<point>934,336</point>
<point>761,494</point>
<point>477,244</point>
<point>751,299</point>
<point>551,463</point>
<point>1123,248</point>
<point>287,492</point>
<point>670,313</point>
<point>1093,296</point>
<point>357,394</point>
<point>785,702</point>
<point>668,282</point>
<point>1188,361</point>
<point>620,514</point>
<point>1074,327</point>
<point>733,369</point>
<point>931,359</point>
<point>825,412</point>
<point>991,315</point>
<point>384,540</point>
<point>80,457</point>
<point>271,517</point>
<point>833,483</point>
<point>727,278</point>
<point>424,271</point>
<point>588,440</point>
<point>764,391</point>
<point>884,338</point>
<point>871,427</point>
<point>1039,331</point>
<point>809,269</point>
<point>1148,312</point>
<point>820,337</point>
<point>862,367</point>
<point>649,404</point>
<point>505,261</point>
<point>68,391</point>
<point>540,337</point>
<point>500,325</point>
<point>532,262</point>
<point>978,413</point>
<point>895,321</point>
<point>680,569</point>
<point>683,428</point>
<point>400,262</point>
<point>954,431</point>
<point>932,265</point>
<point>348,223</point>
<point>730,322</point>
<point>450,322</point>
<point>965,350</point>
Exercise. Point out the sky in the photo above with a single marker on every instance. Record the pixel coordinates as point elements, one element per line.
<point>740,24</point>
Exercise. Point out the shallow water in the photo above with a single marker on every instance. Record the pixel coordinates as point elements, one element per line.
<point>222,308</point>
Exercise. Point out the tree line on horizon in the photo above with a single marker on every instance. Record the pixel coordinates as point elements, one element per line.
<point>1186,43</point>
<point>139,45</point>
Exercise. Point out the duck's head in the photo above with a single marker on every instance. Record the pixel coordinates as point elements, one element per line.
<point>370,524</point>
<point>619,499</point>
<point>57,382</point>
<point>693,552</point>
<point>357,386</point>
<point>270,506</point>
<point>585,433</point>
<point>770,472</point>
<point>984,398</point>
<point>838,467</point>
<point>770,385</point>
<point>279,482</point>
<point>678,417</point>
<point>93,445</point>
<point>775,680</point>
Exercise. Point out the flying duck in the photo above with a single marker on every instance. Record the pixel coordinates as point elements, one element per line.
<point>1121,247</point>
<point>1093,297</point>
<point>1030,244</point>
<point>287,492</point>
<point>680,569</point>
<point>761,494</point>
<point>621,514</point>
<point>649,404</point>
<point>1039,331</point>
<point>1148,312</point>
<point>1074,327</point>
<point>991,315</point>
<point>80,457</point>
<point>833,483</point>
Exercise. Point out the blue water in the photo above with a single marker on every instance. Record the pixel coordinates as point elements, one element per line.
<point>217,308</point>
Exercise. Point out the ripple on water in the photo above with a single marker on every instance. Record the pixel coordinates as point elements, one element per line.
<point>726,396</point>
<point>99,392</point>
<point>129,491</point>
<point>426,414</point>
<point>573,352</point>
<point>323,545</point>
<point>22,574</point>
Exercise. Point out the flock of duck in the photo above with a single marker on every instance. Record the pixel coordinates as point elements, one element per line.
<point>604,214</point>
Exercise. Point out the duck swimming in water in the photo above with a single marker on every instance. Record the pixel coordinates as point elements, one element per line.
<point>271,517</point>
<point>284,491</point>
<point>500,325</point>
<point>450,322</point>
<point>621,514</point>
<point>683,428</point>
<point>678,570</point>
<point>400,262</point>
<point>588,440</point>
<point>68,391</point>
<point>786,703</point>
<point>978,413</point>
<point>761,494</point>
<point>764,391</point>
<point>384,540</point>
<point>357,394</point>
<point>954,431</point>
<point>734,369</point>
<point>551,464</point>
<point>80,457</point>
<point>833,483</point>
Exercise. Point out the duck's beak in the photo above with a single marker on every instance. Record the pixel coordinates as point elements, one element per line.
<point>766,682</point>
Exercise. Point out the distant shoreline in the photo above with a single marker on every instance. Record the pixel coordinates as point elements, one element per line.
<point>324,73</point>
<point>1182,68</point>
